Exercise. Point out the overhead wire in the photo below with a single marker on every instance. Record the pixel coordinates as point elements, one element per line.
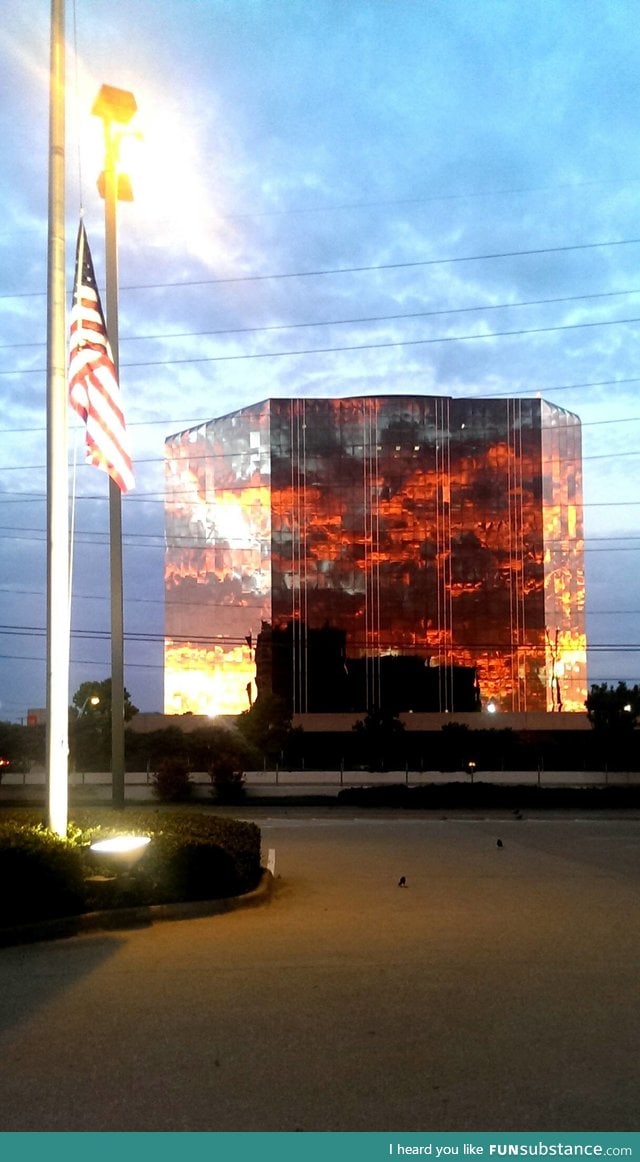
<point>387,344</point>
<point>163,336</point>
<point>378,266</point>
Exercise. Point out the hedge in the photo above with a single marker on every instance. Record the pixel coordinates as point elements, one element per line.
<point>191,857</point>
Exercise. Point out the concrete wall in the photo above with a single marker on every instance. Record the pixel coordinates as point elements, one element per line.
<point>424,722</point>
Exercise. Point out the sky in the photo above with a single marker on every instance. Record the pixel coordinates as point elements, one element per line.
<point>331,197</point>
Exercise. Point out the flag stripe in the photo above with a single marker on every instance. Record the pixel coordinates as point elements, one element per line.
<point>94,392</point>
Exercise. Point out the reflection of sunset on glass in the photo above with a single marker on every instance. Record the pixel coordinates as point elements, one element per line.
<point>426,531</point>
<point>208,681</point>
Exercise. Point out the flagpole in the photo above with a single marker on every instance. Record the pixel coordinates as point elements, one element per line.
<point>58,628</point>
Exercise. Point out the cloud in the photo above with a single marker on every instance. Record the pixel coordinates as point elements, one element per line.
<point>285,139</point>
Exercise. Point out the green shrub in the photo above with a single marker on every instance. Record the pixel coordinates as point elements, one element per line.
<point>227,784</point>
<point>241,840</point>
<point>41,876</point>
<point>171,781</point>
<point>193,869</point>
<point>191,856</point>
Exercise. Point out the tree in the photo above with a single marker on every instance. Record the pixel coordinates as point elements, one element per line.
<point>220,749</point>
<point>90,724</point>
<point>382,735</point>
<point>613,710</point>
<point>266,726</point>
<point>457,750</point>
<point>94,700</point>
<point>20,746</point>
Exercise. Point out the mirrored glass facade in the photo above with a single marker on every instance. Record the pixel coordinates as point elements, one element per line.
<point>446,531</point>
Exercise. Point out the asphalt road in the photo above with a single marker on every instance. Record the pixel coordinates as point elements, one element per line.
<point>498,990</point>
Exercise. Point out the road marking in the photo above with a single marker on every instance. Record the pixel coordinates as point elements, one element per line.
<point>271,861</point>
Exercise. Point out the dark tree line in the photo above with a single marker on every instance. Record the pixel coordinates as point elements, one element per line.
<point>264,735</point>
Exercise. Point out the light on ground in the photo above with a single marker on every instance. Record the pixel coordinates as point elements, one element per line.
<point>121,844</point>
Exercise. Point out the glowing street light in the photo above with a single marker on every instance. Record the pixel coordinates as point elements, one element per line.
<point>93,700</point>
<point>116,108</point>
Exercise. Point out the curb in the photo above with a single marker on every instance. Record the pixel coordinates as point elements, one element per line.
<point>138,917</point>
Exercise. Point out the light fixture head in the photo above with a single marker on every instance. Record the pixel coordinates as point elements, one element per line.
<point>114,105</point>
<point>120,844</point>
<point>124,191</point>
<point>124,850</point>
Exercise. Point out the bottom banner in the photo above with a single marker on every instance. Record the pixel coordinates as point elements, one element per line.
<point>327,1147</point>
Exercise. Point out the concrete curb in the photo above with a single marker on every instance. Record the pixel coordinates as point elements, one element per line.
<point>139,917</point>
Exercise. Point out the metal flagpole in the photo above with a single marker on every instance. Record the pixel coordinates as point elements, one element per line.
<point>58,628</point>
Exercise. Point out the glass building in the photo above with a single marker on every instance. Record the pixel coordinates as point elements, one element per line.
<point>340,534</point>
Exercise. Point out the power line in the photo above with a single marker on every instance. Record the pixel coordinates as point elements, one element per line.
<point>194,459</point>
<point>428,198</point>
<point>187,424</point>
<point>360,269</point>
<point>192,359</point>
<point>239,640</point>
<point>157,541</point>
<point>425,199</point>
<point>14,590</point>
<point>191,422</point>
<point>162,336</point>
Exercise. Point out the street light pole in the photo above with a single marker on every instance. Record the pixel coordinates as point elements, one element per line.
<point>115,496</point>
<point>116,108</point>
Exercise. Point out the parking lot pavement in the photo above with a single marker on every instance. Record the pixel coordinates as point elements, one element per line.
<point>496,990</point>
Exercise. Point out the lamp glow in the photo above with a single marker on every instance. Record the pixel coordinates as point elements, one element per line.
<point>121,844</point>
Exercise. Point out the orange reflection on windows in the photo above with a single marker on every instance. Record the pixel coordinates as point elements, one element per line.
<point>415,525</point>
<point>209,681</point>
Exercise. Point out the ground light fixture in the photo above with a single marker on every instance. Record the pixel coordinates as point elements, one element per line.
<point>121,845</point>
<point>121,851</point>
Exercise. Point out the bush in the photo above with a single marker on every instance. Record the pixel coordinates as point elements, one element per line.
<point>227,784</point>
<point>191,857</point>
<point>195,870</point>
<point>42,877</point>
<point>443,796</point>
<point>381,795</point>
<point>171,781</point>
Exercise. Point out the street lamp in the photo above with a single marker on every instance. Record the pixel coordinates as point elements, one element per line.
<point>93,700</point>
<point>116,108</point>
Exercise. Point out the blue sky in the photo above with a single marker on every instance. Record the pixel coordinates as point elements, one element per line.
<point>285,144</point>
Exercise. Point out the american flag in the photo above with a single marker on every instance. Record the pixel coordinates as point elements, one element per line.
<point>94,391</point>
